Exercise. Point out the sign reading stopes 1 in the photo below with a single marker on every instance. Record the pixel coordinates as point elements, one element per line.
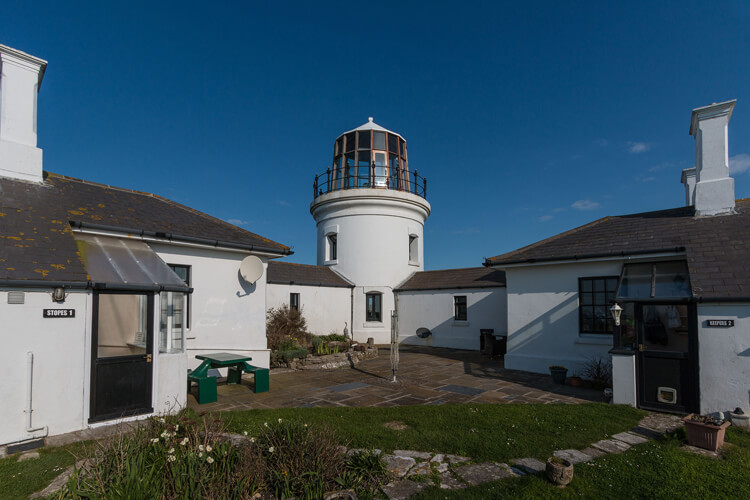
<point>59,313</point>
<point>720,323</point>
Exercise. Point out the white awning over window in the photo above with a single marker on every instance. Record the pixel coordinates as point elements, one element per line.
<point>126,264</point>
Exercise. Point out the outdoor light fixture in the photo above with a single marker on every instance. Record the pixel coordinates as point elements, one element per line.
<point>58,294</point>
<point>616,311</point>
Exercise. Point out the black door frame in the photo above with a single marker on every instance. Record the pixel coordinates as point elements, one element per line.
<point>692,384</point>
<point>120,359</point>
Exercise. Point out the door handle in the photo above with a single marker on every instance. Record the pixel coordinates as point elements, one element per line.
<point>640,348</point>
<point>148,358</point>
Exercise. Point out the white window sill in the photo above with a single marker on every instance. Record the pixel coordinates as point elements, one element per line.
<point>413,263</point>
<point>594,339</point>
<point>460,323</point>
<point>373,324</point>
<point>331,262</point>
<point>167,353</point>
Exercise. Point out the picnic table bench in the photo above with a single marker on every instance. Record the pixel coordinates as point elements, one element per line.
<point>235,363</point>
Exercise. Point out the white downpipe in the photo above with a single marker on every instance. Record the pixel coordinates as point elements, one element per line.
<point>37,431</point>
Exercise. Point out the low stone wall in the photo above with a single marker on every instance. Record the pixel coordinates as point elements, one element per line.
<point>332,361</point>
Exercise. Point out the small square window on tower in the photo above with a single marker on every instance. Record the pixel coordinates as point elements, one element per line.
<point>413,249</point>
<point>332,247</point>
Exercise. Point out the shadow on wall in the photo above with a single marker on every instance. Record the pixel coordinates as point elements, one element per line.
<point>246,287</point>
<point>447,334</point>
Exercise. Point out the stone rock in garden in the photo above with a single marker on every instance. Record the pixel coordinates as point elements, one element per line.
<point>443,467</point>
<point>401,490</point>
<point>421,469</point>
<point>476,474</point>
<point>529,465</point>
<point>572,456</point>
<point>455,459</point>
<point>630,438</point>
<point>413,454</point>
<point>438,458</point>
<point>29,455</point>
<point>611,446</point>
<point>512,471</point>
<point>448,482</point>
<point>399,466</point>
<point>60,481</point>
<point>660,422</point>
<point>593,452</point>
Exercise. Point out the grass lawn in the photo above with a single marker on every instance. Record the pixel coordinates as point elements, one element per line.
<point>482,432</point>
<point>658,469</point>
<point>20,479</point>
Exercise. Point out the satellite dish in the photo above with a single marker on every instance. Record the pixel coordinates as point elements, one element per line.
<point>251,269</point>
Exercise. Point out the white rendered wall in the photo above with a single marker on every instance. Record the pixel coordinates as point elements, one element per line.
<point>623,380</point>
<point>326,309</point>
<point>171,381</point>
<point>543,327</point>
<point>433,309</point>
<point>61,364</point>
<point>372,227</point>
<point>227,314</point>
<point>724,357</point>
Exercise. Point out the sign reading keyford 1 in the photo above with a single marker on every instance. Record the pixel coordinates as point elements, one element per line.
<point>721,323</point>
<point>59,313</point>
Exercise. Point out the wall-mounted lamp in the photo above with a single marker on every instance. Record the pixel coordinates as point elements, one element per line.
<point>58,294</point>
<point>616,311</point>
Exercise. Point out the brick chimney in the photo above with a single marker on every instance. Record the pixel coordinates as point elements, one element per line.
<point>714,189</point>
<point>20,77</point>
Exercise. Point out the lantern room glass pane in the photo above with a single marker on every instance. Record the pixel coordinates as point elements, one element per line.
<point>403,149</point>
<point>378,140</point>
<point>350,141</point>
<point>393,143</point>
<point>364,140</point>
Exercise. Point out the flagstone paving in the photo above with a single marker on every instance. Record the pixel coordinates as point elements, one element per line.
<point>427,375</point>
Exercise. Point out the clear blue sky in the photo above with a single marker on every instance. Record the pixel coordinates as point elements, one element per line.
<point>527,118</point>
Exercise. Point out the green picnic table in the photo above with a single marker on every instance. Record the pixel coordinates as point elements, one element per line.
<point>235,363</point>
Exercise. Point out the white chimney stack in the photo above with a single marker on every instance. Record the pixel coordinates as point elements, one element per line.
<point>714,189</point>
<point>688,179</point>
<point>20,77</point>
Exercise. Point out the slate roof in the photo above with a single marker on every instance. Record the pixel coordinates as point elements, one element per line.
<point>717,248</point>
<point>288,273</point>
<point>470,277</point>
<point>36,241</point>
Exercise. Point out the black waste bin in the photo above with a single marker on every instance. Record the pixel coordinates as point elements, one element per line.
<point>491,345</point>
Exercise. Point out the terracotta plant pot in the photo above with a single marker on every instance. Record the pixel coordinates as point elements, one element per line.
<point>575,381</point>
<point>706,436</point>
<point>559,471</point>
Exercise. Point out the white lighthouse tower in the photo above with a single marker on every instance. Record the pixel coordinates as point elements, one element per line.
<point>370,210</point>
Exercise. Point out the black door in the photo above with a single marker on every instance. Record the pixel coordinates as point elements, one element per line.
<point>122,349</point>
<point>666,354</point>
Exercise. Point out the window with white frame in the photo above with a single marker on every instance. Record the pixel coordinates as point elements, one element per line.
<point>374,307</point>
<point>174,314</point>
<point>413,249</point>
<point>459,308</point>
<point>332,247</point>
<point>294,301</point>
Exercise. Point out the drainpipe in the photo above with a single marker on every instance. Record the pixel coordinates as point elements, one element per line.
<point>29,409</point>
<point>351,311</point>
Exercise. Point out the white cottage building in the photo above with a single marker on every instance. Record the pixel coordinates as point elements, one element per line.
<point>107,294</point>
<point>680,276</point>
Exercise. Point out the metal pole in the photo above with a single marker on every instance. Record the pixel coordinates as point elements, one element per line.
<point>394,344</point>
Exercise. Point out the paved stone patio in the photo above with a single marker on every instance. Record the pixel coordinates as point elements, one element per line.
<point>427,375</point>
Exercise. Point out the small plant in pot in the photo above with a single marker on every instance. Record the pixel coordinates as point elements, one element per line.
<point>558,373</point>
<point>705,431</point>
<point>559,471</point>
<point>575,380</point>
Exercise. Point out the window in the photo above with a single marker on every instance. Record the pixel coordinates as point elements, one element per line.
<point>595,296</point>
<point>374,307</point>
<point>174,313</point>
<point>413,249</point>
<point>459,308</point>
<point>294,301</point>
<point>332,247</point>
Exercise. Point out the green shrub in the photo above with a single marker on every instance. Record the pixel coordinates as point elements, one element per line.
<point>284,324</point>
<point>171,457</point>
<point>300,460</point>
<point>334,337</point>
<point>365,473</point>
